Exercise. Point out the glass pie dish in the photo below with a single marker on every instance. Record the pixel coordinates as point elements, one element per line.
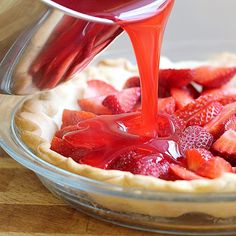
<point>157,211</point>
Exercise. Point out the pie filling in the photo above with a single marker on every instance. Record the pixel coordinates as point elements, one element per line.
<point>193,136</point>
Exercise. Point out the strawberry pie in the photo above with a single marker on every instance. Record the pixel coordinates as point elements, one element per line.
<point>92,126</point>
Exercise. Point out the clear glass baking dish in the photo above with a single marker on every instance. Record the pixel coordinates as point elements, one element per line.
<point>165,212</point>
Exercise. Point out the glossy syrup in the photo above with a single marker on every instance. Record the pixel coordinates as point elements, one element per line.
<point>144,21</point>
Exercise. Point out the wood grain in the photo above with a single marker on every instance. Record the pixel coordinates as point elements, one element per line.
<point>27,208</point>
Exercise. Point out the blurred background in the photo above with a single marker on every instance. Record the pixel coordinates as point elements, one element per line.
<point>198,20</point>
<point>202,19</point>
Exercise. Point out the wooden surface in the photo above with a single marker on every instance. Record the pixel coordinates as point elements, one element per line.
<point>27,208</point>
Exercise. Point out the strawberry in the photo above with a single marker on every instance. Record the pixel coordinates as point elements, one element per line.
<point>123,101</point>
<point>94,105</point>
<point>166,105</point>
<point>197,157</point>
<point>97,88</point>
<point>62,147</point>
<point>163,92</point>
<point>60,133</point>
<point>141,161</point>
<point>70,117</point>
<point>179,124</point>
<point>231,123</point>
<point>213,77</point>
<point>206,114</point>
<point>217,125</point>
<point>183,173</point>
<point>226,144</point>
<point>192,90</point>
<point>203,163</point>
<point>224,96</point>
<point>195,137</point>
<point>132,82</point>
<point>182,97</point>
<point>175,77</point>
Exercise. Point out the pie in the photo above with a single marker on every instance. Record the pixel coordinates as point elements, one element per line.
<point>40,117</point>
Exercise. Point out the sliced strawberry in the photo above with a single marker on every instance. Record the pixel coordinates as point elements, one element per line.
<point>197,157</point>
<point>226,144</point>
<point>195,137</point>
<point>213,77</point>
<point>205,164</point>
<point>132,82</point>
<point>62,147</point>
<point>175,77</point>
<point>123,101</point>
<point>182,97</point>
<point>97,88</point>
<point>60,133</point>
<point>94,105</point>
<point>224,97</point>
<point>141,161</point>
<point>71,117</point>
<point>217,126</point>
<point>231,123</point>
<point>183,173</point>
<point>179,124</point>
<point>166,105</point>
<point>206,114</point>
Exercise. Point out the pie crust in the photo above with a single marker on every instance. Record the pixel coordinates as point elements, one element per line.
<point>39,117</point>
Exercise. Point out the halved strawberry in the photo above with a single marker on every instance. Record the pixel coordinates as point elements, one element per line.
<point>224,97</point>
<point>141,161</point>
<point>123,101</point>
<point>206,114</point>
<point>175,77</point>
<point>94,105</point>
<point>62,147</point>
<point>72,117</point>
<point>231,123</point>
<point>205,164</point>
<point>97,88</point>
<point>213,77</point>
<point>182,97</point>
<point>132,82</point>
<point>166,105</point>
<point>184,173</point>
<point>217,125</point>
<point>226,144</point>
<point>195,137</point>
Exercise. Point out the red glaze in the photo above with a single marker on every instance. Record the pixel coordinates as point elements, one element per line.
<point>104,137</point>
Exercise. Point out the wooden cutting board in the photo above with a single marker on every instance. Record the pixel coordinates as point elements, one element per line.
<point>27,208</point>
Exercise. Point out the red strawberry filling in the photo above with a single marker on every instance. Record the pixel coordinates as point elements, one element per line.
<point>192,138</point>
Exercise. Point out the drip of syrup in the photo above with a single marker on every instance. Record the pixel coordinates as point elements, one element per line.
<point>144,21</point>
